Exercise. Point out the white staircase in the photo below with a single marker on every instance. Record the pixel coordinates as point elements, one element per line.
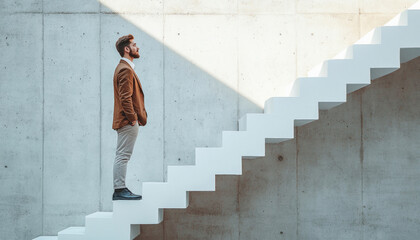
<point>378,53</point>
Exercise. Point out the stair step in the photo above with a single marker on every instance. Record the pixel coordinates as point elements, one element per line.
<point>100,215</point>
<point>247,144</point>
<point>321,89</point>
<point>292,108</point>
<point>72,233</point>
<point>372,37</point>
<point>219,161</point>
<point>378,53</point>
<point>413,16</point>
<point>271,126</point>
<point>144,211</point>
<point>192,178</point>
<point>99,224</point>
<point>165,195</point>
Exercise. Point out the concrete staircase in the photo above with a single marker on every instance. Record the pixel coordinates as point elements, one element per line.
<point>378,53</point>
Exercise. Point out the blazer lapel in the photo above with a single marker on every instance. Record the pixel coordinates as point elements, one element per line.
<point>138,81</point>
<point>135,75</point>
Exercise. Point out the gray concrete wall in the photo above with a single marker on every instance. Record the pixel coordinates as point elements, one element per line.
<point>204,64</point>
<point>352,174</point>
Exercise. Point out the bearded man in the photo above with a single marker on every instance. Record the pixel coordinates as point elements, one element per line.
<point>129,113</point>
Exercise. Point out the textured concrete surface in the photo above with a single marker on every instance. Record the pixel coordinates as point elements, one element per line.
<point>72,120</point>
<point>353,174</point>
<point>26,6</point>
<point>327,6</point>
<point>213,216</point>
<point>200,7</point>
<point>369,21</point>
<point>391,155</point>
<point>384,6</point>
<point>76,6</point>
<point>329,174</point>
<point>204,64</point>
<point>266,7</point>
<point>322,36</point>
<point>21,126</point>
<point>131,6</point>
<point>199,100</point>
<point>269,65</point>
<point>267,194</point>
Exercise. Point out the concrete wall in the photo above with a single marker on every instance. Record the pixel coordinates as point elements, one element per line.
<point>352,174</point>
<point>204,64</point>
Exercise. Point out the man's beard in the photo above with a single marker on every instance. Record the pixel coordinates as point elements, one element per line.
<point>134,55</point>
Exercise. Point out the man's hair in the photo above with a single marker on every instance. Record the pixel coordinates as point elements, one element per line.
<point>123,42</point>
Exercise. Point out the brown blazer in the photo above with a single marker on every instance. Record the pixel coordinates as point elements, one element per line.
<point>128,97</point>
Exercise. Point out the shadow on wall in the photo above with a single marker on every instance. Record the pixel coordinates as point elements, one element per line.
<point>352,173</point>
<point>71,143</point>
<point>57,144</point>
<point>188,107</point>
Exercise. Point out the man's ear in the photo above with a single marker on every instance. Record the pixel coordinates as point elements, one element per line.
<point>126,49</point>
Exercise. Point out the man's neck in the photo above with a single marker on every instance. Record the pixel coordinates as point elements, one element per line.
<point>129,62</point>
<point>129,57</point>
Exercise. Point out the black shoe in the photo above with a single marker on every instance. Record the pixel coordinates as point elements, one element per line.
<point>125,194</point>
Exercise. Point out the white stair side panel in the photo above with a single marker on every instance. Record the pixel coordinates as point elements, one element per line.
<point>351,72</point>
<point>355,73</point>
<point>408,54</point>
<point>380,72</point>
<point>219,161</point>
<point>323,90</point>
<point>396,36</point>
<point>134,231</point>
<point>72,233</point>
<point>295,108</point>
<point>294,90</point>
<point>46,238</point>
<point>165,194</point>
<point>116,229</point>
<point>137,212</point>
<point>271,126</point>
<point>110,229</point>
<point>380,59</point>
<point>401,37</point>
<point>377,56</point>
<point>192,178</point>
<point>247,144</point>
<point>413,17</point>
<point>400,20</point>
<point>100,225</point>
<point>347,53</point>
<point>319,70</point>
<point>372,37</point>
<point>242,123</point>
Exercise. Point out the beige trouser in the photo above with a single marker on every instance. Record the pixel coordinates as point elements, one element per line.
<point>127,136</point>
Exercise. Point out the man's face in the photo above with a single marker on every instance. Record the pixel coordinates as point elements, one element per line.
<point>134,50</point>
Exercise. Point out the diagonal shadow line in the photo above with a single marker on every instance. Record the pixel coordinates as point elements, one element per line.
<point>188,108</point>
<point>197,106</point>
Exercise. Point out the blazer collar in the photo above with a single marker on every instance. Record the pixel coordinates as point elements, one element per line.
<point>126,63</point>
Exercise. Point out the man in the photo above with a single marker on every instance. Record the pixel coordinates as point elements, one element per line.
<point>129,113</point>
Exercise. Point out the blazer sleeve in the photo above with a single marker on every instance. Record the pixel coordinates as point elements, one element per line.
<point>125,92</point>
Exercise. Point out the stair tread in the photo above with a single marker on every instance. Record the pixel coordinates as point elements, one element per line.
<point>73,230</point>
<point>100,215</point>
<point>319,78</point>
